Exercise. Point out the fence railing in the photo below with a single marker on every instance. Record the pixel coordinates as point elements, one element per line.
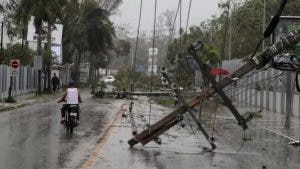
<point>27,80</point>
<point>22,84</point>
<point>266,89</point>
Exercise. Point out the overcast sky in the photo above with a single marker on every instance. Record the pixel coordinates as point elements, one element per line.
<point>128,12</point>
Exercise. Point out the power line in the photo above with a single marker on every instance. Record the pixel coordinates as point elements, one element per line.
<point>172,31</point>
<point>152,60</point>
<point>136,45</point>
<point>137,36</point>
<point>187,20</point>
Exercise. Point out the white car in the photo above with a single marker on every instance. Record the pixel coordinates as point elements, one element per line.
<point>109,79</point>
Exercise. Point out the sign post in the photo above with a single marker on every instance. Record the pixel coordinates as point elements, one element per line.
<point>15,69</point>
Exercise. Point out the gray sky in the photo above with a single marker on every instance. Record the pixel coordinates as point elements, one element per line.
<point>128,12</point>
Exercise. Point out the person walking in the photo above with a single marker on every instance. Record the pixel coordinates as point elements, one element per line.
<point>55,82</point>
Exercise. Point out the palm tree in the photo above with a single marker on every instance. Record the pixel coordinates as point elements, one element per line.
<point>88,32</point>
<point>43,11</point>
<point>87,28</point>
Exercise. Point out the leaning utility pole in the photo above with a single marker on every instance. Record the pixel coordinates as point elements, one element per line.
<point>256,62</point>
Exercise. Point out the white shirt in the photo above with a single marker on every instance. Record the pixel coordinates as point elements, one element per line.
<point>72,96</point>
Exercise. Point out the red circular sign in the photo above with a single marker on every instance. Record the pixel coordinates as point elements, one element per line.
<point>15,64</point>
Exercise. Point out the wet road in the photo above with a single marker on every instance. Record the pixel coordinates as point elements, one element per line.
<point>33,138</point>
<point>182,148</point>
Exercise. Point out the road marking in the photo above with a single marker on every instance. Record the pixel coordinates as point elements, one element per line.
<point>275,132</point>
<point>108,132</point>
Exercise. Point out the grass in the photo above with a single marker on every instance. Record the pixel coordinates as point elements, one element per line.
<point>165,101</point>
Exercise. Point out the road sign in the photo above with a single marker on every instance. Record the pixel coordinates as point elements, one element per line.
<point>15,67</point>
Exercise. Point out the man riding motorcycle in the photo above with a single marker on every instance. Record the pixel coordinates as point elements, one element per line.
<point>72,97</point>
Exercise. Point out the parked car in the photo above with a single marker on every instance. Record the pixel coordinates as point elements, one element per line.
<point>109,79</point>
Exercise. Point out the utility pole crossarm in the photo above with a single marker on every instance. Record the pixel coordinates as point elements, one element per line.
<point>258,61</point>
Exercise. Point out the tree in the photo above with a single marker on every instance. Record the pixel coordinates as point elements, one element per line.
<point>16,51</point>
<point>43,11</point>
<point>247,27</point>
<point>88,32</point>
<point>110,5</point>
<point>169,17</point>
<point>178,57</point>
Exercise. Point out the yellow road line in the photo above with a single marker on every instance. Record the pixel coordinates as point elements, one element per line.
<point>108,132</point>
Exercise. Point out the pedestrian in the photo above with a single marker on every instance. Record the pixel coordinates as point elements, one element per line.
<point>55,82</point>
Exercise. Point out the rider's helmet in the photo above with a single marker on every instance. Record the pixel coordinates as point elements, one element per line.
<point>71,83</point>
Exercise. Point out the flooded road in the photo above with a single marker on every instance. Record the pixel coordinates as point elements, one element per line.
<point>33,138</point>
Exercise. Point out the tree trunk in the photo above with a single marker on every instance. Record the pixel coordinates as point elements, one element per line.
<point>49,36</point>
<point>77,67</point>
<point>39,55</point>
<point>91,69</point>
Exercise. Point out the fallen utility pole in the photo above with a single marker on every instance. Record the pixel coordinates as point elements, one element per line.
<point>148,94</point>
<point>205,72</point>
<point>139,93</point>
<point>258,61</point>
<point>175,88</point>
<point>133,124</point>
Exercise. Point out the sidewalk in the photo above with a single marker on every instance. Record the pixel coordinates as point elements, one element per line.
<point>27,99</point>
<point>266,144</point>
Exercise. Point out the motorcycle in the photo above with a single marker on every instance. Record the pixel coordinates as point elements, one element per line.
<point>71,117</point>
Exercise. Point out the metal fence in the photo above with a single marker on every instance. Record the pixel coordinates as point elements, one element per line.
<point>26,81</point>
<point>22,84</point>
<point>269,89</point>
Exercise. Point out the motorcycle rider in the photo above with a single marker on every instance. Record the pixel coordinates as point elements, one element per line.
<point>72,97</point>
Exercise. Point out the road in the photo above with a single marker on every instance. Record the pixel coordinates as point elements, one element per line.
<point>33,138</point>
<point>266,144</point>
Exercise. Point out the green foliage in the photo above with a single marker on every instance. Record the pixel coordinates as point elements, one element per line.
<point>17,51</point>
<point>122,80</point>
<point>18,13</point>
<point>247,25</point>
<point>122,47</point>
<point>177,54</point>
<point>87,28</point>
<point>142,82</point>
<point>248,116</point>
<point>246,31</point>
<point>165,101</point>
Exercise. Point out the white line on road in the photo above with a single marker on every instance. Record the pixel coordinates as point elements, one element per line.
<point>285,136</point>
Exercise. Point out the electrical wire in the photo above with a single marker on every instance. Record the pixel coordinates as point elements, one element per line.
<point>137,36</point>
<point>171,34</point>
<point>271,27</point>
<point>152,73</point>
<point>134,61</point>
<point>255,82</point>
<point>187,21</point>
